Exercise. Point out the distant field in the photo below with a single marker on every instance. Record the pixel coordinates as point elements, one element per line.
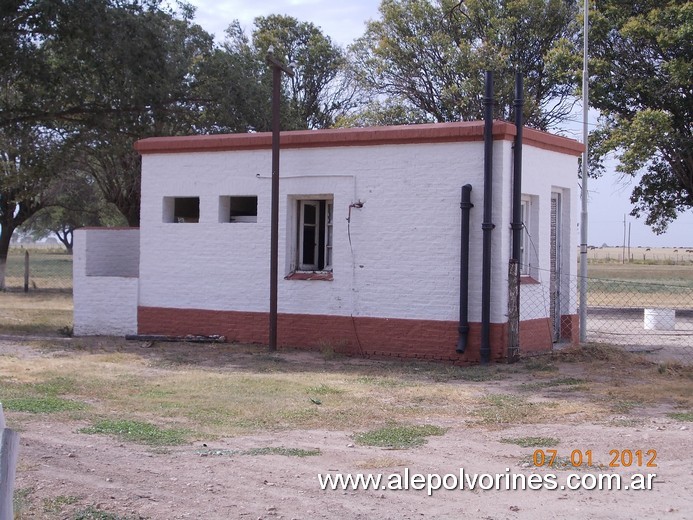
<point>640,285</point>
<point>656,255</point>
<point>48,269</point>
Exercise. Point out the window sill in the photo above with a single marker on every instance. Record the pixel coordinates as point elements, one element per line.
<point>325,276</point>
<point>528,280</point>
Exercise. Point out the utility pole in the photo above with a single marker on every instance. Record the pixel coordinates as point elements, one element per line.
<point>583,213</point>
<point>277,68</point>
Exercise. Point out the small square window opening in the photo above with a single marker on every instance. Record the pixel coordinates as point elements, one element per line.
<point>181,209</point>
<point>238,208</point>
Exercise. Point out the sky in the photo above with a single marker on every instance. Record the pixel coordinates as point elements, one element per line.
<point>344,21</point>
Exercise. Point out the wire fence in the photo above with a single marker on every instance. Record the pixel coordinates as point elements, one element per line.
<point>38,270</point>
<point>651,318</point>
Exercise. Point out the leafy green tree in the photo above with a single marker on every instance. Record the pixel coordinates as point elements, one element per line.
<point>641,65</point>
<point>320,90</point>
<point>27,159</point>
<point>77,203</point>
<point>430,55</point>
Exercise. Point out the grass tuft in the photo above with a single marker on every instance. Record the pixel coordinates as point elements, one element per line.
<point>507,409</point>
<point>531,442</point>
<point>280,450</point>
<point>139,432</point>
<point>398,437</point>
<point>56,504</point>
<point>92,513</point>
<point>41,404</point>
<point>682,416</point>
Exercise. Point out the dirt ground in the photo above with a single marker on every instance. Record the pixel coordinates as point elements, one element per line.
<point>215,480</point>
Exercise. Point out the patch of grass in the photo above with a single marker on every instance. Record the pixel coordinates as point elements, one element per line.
<point>323,389</point>
<point>386,382</point>
<point>92,513</point>
<point>479,373</point>
<point>269,450</point>
<point>56,504</point>
<point>539,364</point>
<point>681,416</point>
<point>573,382</point>
<point>398,437</point>
<point>531,442</point>
<point>41,404</point>
<point>21,501</point>
<point>35,312</point>
<point>624,406</point>
<point>280,450</point>
<point>507,409</point>
<point>139,432</point>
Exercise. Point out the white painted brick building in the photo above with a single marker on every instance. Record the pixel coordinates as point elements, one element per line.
<point>369,248</point>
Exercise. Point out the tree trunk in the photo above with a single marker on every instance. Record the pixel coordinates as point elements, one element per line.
<point>5,236</point>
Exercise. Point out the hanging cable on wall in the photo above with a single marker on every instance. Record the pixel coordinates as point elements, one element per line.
<point>357,205</point>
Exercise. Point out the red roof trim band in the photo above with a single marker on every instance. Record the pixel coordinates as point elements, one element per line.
<point>369,136</point>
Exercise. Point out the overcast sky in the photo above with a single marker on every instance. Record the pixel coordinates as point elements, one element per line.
<point>344,21</point>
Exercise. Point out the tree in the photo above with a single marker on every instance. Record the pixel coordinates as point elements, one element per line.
<point>77,203</point>
<point>641,61</point>
<point>318,93</point>
<point>431,56</point>
<point>27,158</point>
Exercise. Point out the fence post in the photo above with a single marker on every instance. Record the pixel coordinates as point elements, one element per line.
<point>26,271</point>
<point>9,448</point>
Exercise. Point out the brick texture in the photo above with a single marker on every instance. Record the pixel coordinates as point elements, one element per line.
<point>418,339</point>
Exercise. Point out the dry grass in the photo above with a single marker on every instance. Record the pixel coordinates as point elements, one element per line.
<point>225,390</point>
<point>35,312</point>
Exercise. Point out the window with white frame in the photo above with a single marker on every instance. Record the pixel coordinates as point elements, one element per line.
<point>315,234</point>
<point>528,236</point>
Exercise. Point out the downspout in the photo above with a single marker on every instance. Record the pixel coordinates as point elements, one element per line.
<point>487,224</point>
<point>463,329</point>
<point>516,226</point>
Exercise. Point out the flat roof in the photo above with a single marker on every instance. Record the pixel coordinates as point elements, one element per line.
<point>367,136</point>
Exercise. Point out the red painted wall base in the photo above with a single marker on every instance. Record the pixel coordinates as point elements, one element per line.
<point>404,338</point>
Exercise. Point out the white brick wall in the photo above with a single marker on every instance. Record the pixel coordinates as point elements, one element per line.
<point>105,268</point>
<point>403,260</point>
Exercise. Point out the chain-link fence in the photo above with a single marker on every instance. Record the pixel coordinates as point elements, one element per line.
<point>648,317</point>
<point>38,270</point>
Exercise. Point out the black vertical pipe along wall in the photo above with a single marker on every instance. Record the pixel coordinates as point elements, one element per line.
<point>463,329</point>
<point>487,224</point>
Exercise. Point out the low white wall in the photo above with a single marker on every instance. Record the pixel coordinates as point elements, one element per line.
<point>105,304</point>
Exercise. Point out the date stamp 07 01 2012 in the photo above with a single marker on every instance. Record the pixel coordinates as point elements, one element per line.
<point>583,458</point>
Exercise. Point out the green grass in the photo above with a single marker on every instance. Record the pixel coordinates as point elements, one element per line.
<point>532,442</point>
<point>92,513</point>
<point>56,504</point>
<point>139,432</point>
<point>41,404</point>
<point>323,389</point>
<point>280,450</point>
<point>682,416</point>
<point>269,450</point>
<point>572,382</point>
<point>398,437</point>
<point>501,409</point>
<point>21,500</point>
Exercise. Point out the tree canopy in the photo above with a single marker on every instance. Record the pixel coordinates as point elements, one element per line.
<point>642,82</point>
<point>430,56</point>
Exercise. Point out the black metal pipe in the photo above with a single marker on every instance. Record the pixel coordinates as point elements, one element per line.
<point>487,224</point>
<point>274,218</point>
<point>517,170</point>
<point>463,329</point>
